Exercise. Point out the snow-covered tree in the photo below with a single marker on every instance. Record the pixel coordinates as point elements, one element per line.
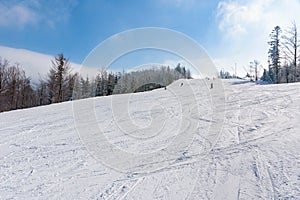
<point>274,54</point>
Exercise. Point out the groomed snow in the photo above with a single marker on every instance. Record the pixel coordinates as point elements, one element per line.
<point>53,152</point>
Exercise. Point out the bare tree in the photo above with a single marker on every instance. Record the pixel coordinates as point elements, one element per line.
<point>15,88</point>
<point>42,93</point>
<point>254,65</point>
<point>291,45</point>
<point>4,64</point>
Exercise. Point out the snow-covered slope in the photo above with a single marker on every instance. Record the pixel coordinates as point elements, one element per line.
<point>159,145</point>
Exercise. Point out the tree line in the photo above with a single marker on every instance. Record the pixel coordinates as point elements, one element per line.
<point>283,56</point>
<point>61,84</point>
<point>15,89</point>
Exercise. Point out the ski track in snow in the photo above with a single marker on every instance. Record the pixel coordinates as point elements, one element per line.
<point>256,155</point>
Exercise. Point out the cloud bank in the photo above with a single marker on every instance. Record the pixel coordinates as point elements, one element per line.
<point>36,65</point>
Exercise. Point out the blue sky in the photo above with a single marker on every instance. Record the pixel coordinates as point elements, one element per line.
<point>78,26</point>
<point>231,31</point>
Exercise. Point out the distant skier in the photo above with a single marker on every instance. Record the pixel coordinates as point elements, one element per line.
<point>211,85</point>
<point>181,84</point>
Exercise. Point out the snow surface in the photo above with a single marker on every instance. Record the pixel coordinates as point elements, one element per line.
<point>186,142</point>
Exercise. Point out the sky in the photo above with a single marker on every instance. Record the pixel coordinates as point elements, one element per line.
<point>232,32</point>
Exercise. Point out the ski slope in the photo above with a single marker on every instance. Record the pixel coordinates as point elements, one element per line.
<point>186,142</point>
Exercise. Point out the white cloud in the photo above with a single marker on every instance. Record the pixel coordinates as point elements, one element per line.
<point>31,12</point>
<point>17,15</point>
<point>245,28</point>
<point>235,17</point>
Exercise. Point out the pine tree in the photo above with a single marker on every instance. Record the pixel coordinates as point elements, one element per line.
<point>274,54</point>
<point>178,71</point>
<point>265,76</point>
<point>58,79</point>
<point>98,91</point>
<point>85,87</point>
<point>188,74</point>
<point>183,72</point>
<point>110,84</point>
